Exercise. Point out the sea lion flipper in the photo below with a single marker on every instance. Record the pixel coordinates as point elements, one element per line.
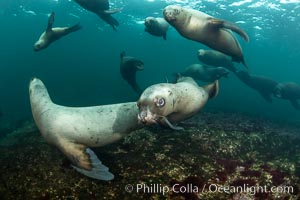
<point>74,28</point>
<point>122,54</point>
<point>50,21</point>
<point>85,161</point>
<point>109,19</point>
<point>212,89</point>
<point>165,36</point>
<point>295,104</point>
<point>99,171</point>
<point>112,11</point>
<point>266,96</point>
<point>219,23</point>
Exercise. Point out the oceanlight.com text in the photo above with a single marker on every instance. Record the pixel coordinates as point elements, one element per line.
<point>206,188</point>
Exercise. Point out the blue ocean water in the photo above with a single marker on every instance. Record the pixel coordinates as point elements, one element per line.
<point>82,69</point>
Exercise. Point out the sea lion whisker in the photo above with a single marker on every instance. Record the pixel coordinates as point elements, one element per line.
<point>177,128</point>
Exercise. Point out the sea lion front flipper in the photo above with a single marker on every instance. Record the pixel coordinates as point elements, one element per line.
<point>165,36</point>
<point>109,19</point>
<point>50,21</point>
<point>295,104</point>
<point>266,96</point>
<point>122,54</point>
<point>212,89</point>
<point>85,161</point>
<point>219,23</point>
<point>112,11</point>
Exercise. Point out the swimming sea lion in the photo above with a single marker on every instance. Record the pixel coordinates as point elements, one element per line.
<point>215,58</point>
<point>53,34</point>
<point>156,26</point>
<point>215,33</point>
<point>101,8</point>
<point>205,73</point>
<point>264,85</point>
<point>128,68</point>
<point>166,103</point>
<point>289,91</point>
<point>74,129</point>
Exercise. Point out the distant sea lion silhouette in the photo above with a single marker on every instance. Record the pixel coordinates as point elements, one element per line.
<point>128,68</point>
<point>289,91</point>
<point>205,73</point>
<point>216,58</point>
<point>264,85</point>
<point>53,34</point>
<point>166,103</point>
<point>74,129</point>
<point>201,27</point>
<point>101,8</point>
<point>156,26</point>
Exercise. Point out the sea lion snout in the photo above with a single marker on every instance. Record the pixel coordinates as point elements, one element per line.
<point>149,21</point>
<point>170,13</point>
<point>145,116</point>
<point>36,47</point>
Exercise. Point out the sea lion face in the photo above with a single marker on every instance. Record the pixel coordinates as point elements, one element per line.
<point>201,53</point>
<point>172,13</point>
<point>39,45</point>
<point>155,103</point>
<point>150,22</point>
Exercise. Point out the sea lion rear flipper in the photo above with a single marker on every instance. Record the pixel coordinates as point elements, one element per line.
<point>212,89</point>
<point>85,161</point>
<point>295,104</point>
<point>266,96</point>
<point>74,28</point>
<point>219,23</point>
<point>50,21</point>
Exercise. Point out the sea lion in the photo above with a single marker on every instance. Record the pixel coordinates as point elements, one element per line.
<point>128,68</point>
<point>289,91</point>
<point>53,34</point>
<point>74,129</point>
<point>101,8</point>
<point>201,27</point>
<point>205,73</point>
<point>215,58</point>
<point>166,103</point>
<point>156,26</point>
<point>264,85</point>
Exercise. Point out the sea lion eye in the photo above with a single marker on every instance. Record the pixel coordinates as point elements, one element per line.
<point>176,11</point>
<point>160,102</point>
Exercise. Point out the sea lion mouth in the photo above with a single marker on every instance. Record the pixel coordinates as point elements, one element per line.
<point>200,52</point>
<point>157,119</point>
<point>146,119</point>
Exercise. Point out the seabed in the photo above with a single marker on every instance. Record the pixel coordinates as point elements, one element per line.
<point>220,149</point>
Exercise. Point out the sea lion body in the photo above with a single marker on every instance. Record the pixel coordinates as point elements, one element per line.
<point>289,91</point>
<point>205,73</point>
<point>201,27</point>
<point>215,58</point>
<point>166,103</point>
<point>74,129</point>
<point>128,68</point>
<point>156,26</point>
<point>53,34</point>
<point>264,85</point>
<point>101,8</point>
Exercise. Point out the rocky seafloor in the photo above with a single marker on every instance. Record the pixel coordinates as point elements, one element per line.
<point>215,150</point>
